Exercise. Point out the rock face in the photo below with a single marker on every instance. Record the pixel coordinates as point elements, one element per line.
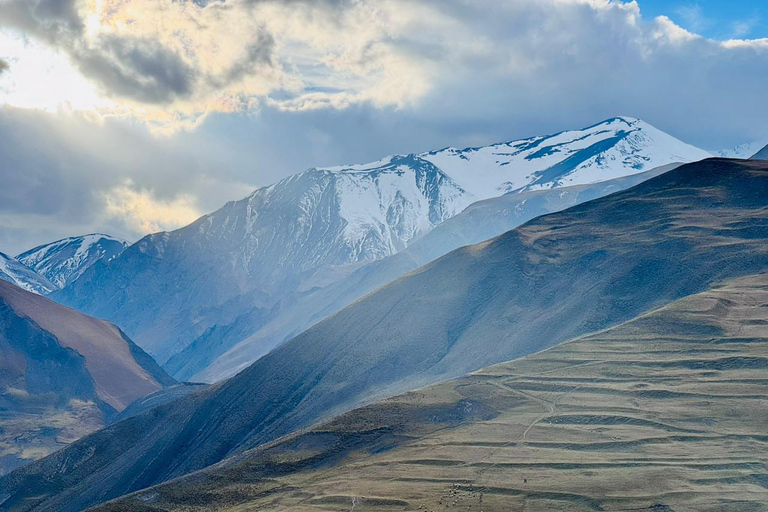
<point>63,375</point>
<point>618,420</point>
<point>232,272</point>
<point>63,261</point>
<point>555,278</point>
<point>13,271</point>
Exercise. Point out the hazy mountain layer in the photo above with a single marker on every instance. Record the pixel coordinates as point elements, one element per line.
<point>63,261</point>
<point>63,375</point>
<point>557,277</point>
<point>253,258</point>
<point>743,151</point>
<point>665,412</point>
<point>210,357</point>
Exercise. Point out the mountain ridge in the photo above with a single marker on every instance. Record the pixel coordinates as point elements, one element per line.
<point>761,155</point>
<point>63,261</point>
<point>256,256</point>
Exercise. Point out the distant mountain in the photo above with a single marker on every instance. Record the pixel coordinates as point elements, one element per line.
<point>257,256</point>
<point>63,261</point>
<point>63,375</point>
<point>555,278</point>
<point>743,151</point>
<point>618,420</point>
<point>222,352</point>
<point>15,272</point>
<point>761,155</point>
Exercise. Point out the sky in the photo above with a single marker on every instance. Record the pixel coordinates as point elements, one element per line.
<point>136,116</point>
<point>719,19</point>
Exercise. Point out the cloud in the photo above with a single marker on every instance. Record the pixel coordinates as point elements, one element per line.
<point>743,28</point>
<point>3,66</point>
<point>694,18</point>
<point>173,63</point>
<point>143,213</point>
<point>63,175</point>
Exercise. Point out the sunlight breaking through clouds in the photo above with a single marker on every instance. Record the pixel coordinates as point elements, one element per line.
<point>144,213</point>
<point>172,63</point>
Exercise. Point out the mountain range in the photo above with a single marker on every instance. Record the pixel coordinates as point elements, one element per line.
<point>228,276</point>
<point>63,375</point>
<point>559,276</point>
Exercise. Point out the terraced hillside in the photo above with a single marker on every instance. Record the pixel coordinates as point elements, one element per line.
<point>666,412</point>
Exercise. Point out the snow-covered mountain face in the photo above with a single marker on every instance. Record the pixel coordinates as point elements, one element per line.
<point>742,151</point>
<point>614,148</point>
<point>63,261</point>
<point>24,277</point>
<point>260,254</point>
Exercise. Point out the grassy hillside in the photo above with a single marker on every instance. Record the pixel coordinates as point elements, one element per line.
<point>666,412</point>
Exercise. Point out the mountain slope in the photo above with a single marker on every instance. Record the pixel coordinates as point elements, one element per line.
<point>63,375</point>
<point>210,359</point>
<point>19,274</point>
<point>555,278</point>
<point>63,261</point>
<point>255,256</point>
<point>761,155</point>
<point>664,412</point>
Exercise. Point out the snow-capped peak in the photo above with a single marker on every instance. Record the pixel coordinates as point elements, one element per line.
<point>373,210</point>
<point>611,149</point>
<point>65,260</point>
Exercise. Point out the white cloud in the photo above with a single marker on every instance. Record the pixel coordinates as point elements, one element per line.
<point>172,63</point>
<point>143,213</point>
